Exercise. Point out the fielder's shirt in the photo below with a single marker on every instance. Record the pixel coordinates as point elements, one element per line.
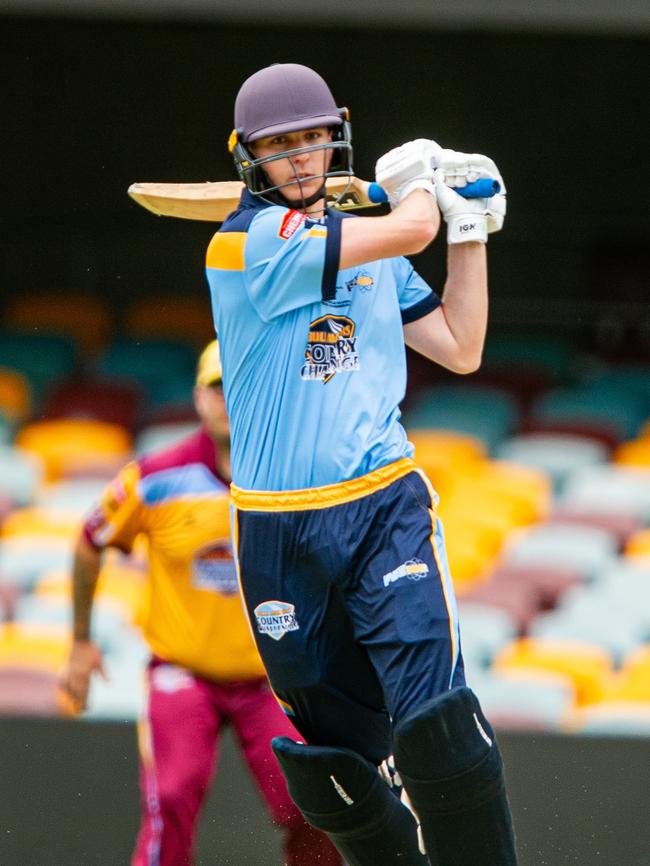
<point>314,364</point>
<point>193,614</point>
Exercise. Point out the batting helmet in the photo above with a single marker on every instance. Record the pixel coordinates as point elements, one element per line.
<point>286,97</point>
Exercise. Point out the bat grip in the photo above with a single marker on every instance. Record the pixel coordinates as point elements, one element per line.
<point>484,187</point>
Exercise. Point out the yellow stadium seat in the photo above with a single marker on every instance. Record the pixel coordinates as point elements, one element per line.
<point>75,447</point>
<point>15,395</point>
<point>634,453</point>
<point>442,453</point>
<point>518,494</point>
<point>587,665</point>
<point>87,319</point>
<point>632,681</point>
<point>176,318</point>
<point>638,544</point>
<point>31,658</point>
<point>40,646</point>
<point>37,521</point>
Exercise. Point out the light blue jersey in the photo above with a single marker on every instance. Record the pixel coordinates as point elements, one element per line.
<point>314,364</point>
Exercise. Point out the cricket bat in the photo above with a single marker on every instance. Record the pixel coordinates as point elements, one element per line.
<point>213,202</point>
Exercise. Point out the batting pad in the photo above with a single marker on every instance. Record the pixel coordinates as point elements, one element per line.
<point>451,767</point>
<point>342,794</point>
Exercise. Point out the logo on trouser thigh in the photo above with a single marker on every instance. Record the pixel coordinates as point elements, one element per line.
<point>414,569</point>
<point>276,618</point>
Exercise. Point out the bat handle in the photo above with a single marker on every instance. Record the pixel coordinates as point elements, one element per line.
<point>484,187</point>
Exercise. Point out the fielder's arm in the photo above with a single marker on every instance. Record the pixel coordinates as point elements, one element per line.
<point>85,657</point>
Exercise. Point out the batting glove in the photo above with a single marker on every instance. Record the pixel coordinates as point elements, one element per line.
<point>406,168</point>
<point>463,168</point>
<point>468,219</point>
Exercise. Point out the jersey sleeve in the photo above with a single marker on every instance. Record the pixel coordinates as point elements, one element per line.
<point>120,514</point>
<point>416,297</point>
<point>290,261</point>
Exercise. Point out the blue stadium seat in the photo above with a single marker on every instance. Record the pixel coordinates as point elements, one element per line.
<point>489,414</point>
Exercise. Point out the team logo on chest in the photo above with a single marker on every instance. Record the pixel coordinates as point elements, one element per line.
<point>276,618</point>
<point>213,569</point>
<point>331,348</point>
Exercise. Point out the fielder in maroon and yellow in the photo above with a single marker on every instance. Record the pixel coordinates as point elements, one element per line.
<point>204,670</point>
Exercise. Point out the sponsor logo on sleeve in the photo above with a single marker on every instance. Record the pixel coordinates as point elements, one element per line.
<point>290,224</point>
<point>276,618</point>
<point>414,569</point>
<point>362,281</point>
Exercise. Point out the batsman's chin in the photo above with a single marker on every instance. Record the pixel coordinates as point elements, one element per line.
<point>298,191</point>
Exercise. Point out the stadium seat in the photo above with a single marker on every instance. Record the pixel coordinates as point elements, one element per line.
<point>109,626</point>
<point>633,453</point>
<point>444,453</point>
<point>167,317</point>
<point>519,600</point>
<point>589,617</point>
<point>488,414</point>
<point>158,436</point>
<point>621,526</point>
<point>40,358</point>
<point>15,397</point>
<point>609,489</point>
<point>587,665</point>
<point>555,454</point>
<point>632,681</point>
<point>620,413</point>
<point>70,447</point>
<point>582,548</point>
<point>148,363</point>
<point>632,379</point>
<point>30,660</point>
<point>526,700</point>
<point>87,319</point>
<point>21,474</point>
<point>120,586</point>
<point>6,430</point>
<point>116,402</point>
<point>598,431</point>
<point>70,499</point>
<point>611,718</point>
<point>39,521</point>
<point>122,696</point>
<point>484,630</point>
<point>638,545</point>
<point>523,493</point>
<point>550,583</point>
<point>552,356</point>
<point>25,558</point>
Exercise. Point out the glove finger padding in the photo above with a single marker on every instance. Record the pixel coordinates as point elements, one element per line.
<point>463,168</point>
<point>407,167</point>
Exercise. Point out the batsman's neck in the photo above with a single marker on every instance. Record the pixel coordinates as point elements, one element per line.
<point>317,210</point>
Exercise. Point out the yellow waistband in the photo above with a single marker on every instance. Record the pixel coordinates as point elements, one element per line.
<point>320,497</point>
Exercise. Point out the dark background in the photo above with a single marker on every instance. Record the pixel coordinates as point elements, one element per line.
<point>90,106</point>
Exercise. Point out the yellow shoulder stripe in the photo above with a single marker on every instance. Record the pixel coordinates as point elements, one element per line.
<point>226,251</point>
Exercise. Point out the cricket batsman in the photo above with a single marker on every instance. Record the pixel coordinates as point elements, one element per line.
<point>340,552</point>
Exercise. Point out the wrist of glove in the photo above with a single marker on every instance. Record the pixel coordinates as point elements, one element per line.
<point>406,168</point>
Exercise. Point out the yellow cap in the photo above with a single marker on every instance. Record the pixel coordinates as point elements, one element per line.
<point>209,367</point>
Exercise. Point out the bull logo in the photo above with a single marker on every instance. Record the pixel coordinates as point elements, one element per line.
<point>331,348</point>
